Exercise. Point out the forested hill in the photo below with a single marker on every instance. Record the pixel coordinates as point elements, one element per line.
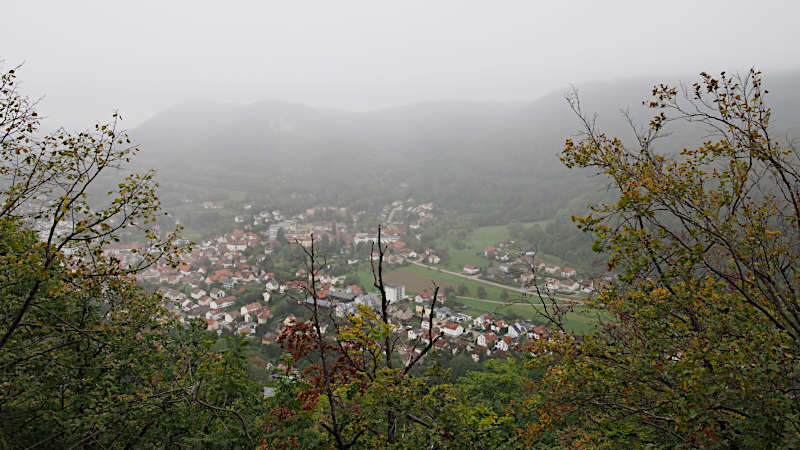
<point>497,160</point>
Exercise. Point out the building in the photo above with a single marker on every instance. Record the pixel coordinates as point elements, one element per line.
<point>452,329</point>
<point>471,270</point>
<point>395,292</point>
<point>568,272</point>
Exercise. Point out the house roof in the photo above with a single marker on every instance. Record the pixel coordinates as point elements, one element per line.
<point>252,307</point>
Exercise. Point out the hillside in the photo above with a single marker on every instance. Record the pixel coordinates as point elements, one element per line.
<point>497,160</point>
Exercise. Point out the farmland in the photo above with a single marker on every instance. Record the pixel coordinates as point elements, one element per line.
<point>469,250</point>
<point>417,279</point>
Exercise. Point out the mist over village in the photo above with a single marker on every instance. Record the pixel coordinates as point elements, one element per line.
<point>404,225</point>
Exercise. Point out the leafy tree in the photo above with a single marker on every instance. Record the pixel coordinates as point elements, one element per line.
<point>449,291</point>
<point>88,358</point>
<point>481,291</point>
<point>361,393</point>
<point>703,347</point>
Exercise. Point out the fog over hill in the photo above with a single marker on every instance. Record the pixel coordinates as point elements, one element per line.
<point>461,153</point>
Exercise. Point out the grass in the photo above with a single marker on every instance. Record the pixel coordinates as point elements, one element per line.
<point>581,320</point>
<point>411,274</point>
<point>476,242</point>
<point>365,279</point>
<point>417,279</point>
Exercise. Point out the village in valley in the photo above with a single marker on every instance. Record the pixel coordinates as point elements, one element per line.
<point>254,281</point>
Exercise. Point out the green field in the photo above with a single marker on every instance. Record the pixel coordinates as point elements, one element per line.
<point>476,242</point>
<point>581,320</point>
<point>417,279</point>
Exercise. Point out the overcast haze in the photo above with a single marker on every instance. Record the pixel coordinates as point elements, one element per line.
<point>90,58</point>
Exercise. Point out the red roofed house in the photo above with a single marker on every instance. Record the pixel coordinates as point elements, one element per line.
<point>504,344</point>
<point>452,329</point>
<point>264,315</point>
<point>486,339</point>
<point>249,310</point>
<point>423,296</point>
<point>482,322</point>
<point>540,332</point>
<point>355,290</point>
<point>568,272</point>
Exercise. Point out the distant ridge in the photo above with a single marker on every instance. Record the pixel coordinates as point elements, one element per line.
<point>284,146</point>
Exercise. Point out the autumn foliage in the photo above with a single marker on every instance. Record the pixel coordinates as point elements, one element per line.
<point>703,347</point>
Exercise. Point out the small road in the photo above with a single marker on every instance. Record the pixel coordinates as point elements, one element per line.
<point>492,283</point>
<point>512,302</point>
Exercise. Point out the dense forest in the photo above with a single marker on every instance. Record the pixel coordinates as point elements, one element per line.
<point>698,348</point>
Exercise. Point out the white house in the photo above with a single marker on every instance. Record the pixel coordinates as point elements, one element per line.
<point>221,303</point>
<point>187,305</point>
<point>498,325</point>
<point>503,344</point>
<point>481,322</point>
<point>197,293</point>
<point>173,295</point>
<point>272,285</point>
<point>423,296</point>
<point>249,311</point>
<point>414,333</point>
<point>452,329</point>
<point>443,312</point>
<point>237,246</point>
<point>248,329</point>
<point>568,272</point>
<point>471,270</point>
<point>264,315</point>
<point>486,339</point>
<point>215,314</point>
<point>512,331</point>
<point>518,329</point>
<point>569,286</point>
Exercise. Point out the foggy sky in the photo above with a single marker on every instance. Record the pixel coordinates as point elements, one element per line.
<point>92,57</point>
